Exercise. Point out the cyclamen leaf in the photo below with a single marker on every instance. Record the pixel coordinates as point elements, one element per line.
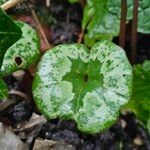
<point>102,19</point>
<point>23,53</point>
<point>144,17</point>
<point>88,86</point>
<point>3,90</point>
<point>9,33</point>
<point>140,100</point>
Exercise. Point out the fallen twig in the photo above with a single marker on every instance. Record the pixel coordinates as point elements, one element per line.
<point>40,29</point>
<point>19,93</point>
<point>9,4</point>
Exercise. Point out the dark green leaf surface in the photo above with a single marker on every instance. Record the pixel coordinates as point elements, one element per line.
<point>3,90</point>
<point>22,53</point>
<point>88,86</point>
<point>3,1</point>
<point>140,100</point>
<point>9,33</point>
<point>102,19</point>
<point>73,1</point>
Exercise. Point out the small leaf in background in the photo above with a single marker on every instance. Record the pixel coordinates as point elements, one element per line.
<point>99,22</point>
<point>140,100</point>
<point>3,90</point>
<point>87,86</point>
<point>144,17</point>
<point>9,33</point>
<point>102,19</point>
<point>3,1</point>
<point>23,53</point>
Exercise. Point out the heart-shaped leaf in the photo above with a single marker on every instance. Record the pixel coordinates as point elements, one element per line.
<point>9,33</point>
<point>88,86</point>
<point>23,53</point>
<point>3,90</point>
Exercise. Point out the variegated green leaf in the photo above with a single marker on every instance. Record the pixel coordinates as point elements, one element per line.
<point>9,33</point>
<point>23,53</point>
<point>3,90</point>
<point>88,86</point>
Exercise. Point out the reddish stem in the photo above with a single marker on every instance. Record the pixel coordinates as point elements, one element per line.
<point>134,32</point>
<point>81,36</point>
<point>123,23</point>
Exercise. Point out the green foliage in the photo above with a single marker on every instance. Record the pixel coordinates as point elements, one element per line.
<point>9,34</point>
<point>87,86</point>
<point>73,1</point>
<point>144,17</point>
<point>19,48</point>
<point>140,100</point>
<point>102,18</point>
<point>3,90</point>
<point>25,50</point>
<point>3,1</point>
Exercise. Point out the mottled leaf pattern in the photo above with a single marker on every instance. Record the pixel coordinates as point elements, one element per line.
<point>88,86</point>
<point>23,53</point>
<point>3,90</point>
<point>9,33</point>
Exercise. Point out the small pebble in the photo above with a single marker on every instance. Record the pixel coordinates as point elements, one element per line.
<point>138,141</point>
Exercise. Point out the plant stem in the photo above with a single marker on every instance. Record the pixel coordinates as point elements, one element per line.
<point>134,32</point>
<point>123,23</point>
<point>40,29</point>
<point>81,36</point>
<point>9,4</point>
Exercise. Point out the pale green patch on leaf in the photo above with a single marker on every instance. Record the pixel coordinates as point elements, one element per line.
<point>3,90</point>
<point>144,17</point>
<point>140,100</point>
<point>22,53</point>
<point>87,86</point>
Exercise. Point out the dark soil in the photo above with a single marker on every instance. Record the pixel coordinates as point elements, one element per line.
<point>126,134</point>
<point>117,137</point>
